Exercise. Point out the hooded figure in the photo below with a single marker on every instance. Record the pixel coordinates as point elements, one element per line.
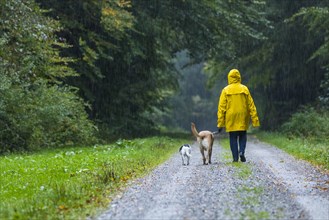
<point>236,105</point>
<point>235,109</point>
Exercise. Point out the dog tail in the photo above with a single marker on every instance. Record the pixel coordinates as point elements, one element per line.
<point>188,153</point>
<point>194,131</point>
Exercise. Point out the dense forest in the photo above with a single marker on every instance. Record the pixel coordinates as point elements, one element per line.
<point>78,71</point>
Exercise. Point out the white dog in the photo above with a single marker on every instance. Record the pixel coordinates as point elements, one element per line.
<point>185,152</point>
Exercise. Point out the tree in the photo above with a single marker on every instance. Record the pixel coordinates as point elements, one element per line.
<point>124,50</point>
<point>280,70</point>
<point>316,20</point>
<point>36,109</point>
<point>293,79</point>
<point>118,64</point>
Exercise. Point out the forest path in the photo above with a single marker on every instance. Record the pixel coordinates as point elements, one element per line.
<point>306,183</point>
<point>270,185</point>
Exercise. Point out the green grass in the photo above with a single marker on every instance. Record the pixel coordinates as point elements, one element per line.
<point>74,183</point>
<point>311,150</point>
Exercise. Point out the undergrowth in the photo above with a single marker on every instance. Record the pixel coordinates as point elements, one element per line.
<point>309,123</point>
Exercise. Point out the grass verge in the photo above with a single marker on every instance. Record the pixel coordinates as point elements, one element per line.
<point>311,150</point>
<point>75,183</point>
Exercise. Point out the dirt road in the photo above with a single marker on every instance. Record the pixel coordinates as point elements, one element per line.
<point>270,185</point>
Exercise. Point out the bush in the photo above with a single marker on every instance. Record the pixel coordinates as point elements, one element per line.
<point>308,123</point>
<point>42,117</point>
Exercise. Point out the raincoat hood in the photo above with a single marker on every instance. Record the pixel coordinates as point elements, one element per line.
<point>234,76</point>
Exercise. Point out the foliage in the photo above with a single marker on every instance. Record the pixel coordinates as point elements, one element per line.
<point>316,20</point>
<point>42,117</point>
<point>210,28</point>
<point>124,50</point>
<point>119,63</point>
<point>29,45</point>
<point>308,123</point>
<point>120,54</point>
<point>282,71</point>
<point>73,183</point>
<point>291,78</point>
<point>36,110</point>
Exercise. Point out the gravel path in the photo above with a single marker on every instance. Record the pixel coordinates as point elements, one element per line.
<point>270,185</point>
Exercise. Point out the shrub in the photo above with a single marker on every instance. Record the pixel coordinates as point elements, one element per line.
<point>308,123</point>
<point>42,117</point>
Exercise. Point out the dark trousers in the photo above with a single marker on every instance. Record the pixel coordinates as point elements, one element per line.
<point>238,141</point>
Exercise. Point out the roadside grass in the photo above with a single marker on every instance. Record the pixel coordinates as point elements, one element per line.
<point>311,150</point>
<point>76,183</point>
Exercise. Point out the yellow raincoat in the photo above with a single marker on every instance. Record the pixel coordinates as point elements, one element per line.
<point>236,106</point>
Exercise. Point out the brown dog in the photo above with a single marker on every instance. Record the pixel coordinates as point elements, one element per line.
<point>205,140</point>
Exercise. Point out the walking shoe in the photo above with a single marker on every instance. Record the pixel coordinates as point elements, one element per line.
<point>242,158</point>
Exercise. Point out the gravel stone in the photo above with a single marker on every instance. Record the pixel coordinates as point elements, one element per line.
<point>270,185</point>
